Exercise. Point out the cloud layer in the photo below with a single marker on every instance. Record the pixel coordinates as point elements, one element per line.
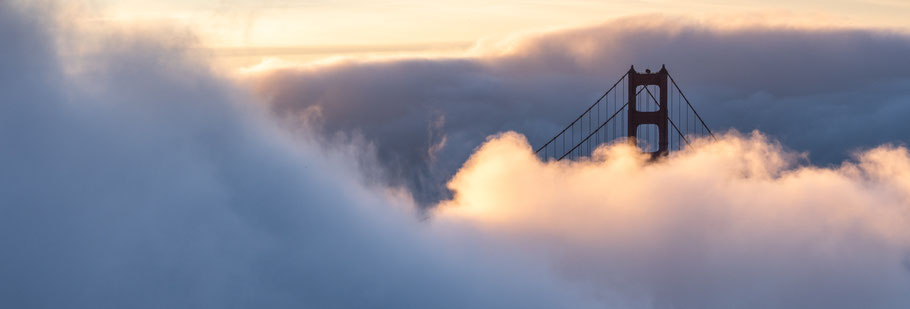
<point>727,224</point>
<point>826,91</point>
<point>133,177</point>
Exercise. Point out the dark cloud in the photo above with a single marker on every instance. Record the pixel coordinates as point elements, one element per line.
<point>134,178</point>
<point>828,92</point>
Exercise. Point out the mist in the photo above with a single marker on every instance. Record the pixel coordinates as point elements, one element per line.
<point>136,174</point>
<point>733,223</point>
<point>135,177</point>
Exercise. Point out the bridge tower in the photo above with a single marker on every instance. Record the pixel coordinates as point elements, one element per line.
<point>647,109</point>
<point>660,118</point>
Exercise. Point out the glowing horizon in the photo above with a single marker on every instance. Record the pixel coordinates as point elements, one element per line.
<point>244,32</point>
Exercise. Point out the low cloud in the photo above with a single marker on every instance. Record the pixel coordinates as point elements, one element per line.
<point>735,223</point>
<point>135,177</point>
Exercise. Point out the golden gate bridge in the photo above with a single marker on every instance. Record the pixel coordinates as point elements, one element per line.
<point>648,109</point>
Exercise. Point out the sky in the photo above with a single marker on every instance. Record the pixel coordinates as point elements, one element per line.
<point>380,154</point>
<point>242,32</point>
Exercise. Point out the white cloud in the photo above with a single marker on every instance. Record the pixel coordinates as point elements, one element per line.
<point>735,223</point>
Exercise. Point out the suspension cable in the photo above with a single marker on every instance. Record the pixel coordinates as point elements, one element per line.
<point>585,112</point>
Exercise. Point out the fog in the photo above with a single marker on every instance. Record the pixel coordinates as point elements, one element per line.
<point>135,177</point>
<point>736,223</point>
<point>135,174</point>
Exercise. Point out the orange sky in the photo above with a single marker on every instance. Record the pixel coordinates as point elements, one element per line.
<point>246,30</point>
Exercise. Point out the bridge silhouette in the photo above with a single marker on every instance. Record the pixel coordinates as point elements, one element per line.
<point>657,117</point>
